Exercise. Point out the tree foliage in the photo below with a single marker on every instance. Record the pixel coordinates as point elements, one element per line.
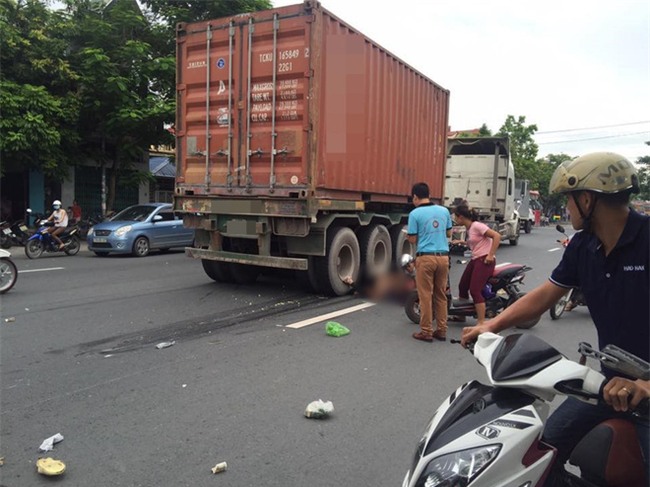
<point>173,11</point>
<point>38,112</point>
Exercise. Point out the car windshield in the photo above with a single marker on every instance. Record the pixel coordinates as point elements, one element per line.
<point>136,213</point>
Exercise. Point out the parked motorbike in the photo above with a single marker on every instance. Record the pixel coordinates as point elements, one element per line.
<point>42,241</point>
<point>8,271</point>
<point>501,290</point>
<point>15,233</point>
<point>490,435</point>
<point>574,296</point>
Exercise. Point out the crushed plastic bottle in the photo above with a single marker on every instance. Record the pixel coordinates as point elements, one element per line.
<point>162,345</point>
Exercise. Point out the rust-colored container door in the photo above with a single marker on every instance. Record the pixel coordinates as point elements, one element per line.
<point>243,101</point>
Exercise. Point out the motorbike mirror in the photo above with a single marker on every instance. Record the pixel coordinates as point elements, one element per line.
<point>627,363</point>
<point>559,228</point>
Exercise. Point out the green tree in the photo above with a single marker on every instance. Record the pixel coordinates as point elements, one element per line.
<point>173,11</point>
<point>644,177</point>
<point>523,149</point>
<point>123,87</point>
<point>37,110</point>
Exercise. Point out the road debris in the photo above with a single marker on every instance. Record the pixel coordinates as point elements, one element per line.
<point>2,461</point>
<point>318,409</point>
<point>11,319</point>
<point>50,466</point>
<point>48,443</point>
<point>219,467</point>
<point>162,345</point>
<point>334,329</point>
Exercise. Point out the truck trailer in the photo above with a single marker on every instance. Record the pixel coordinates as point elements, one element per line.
<point>481,174</point>
<point>298,140</point>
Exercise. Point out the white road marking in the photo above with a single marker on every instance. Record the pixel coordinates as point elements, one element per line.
<point>41,270</point>
<point>327,316</point>
<point>553,250</point>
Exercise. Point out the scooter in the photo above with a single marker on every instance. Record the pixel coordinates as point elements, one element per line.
<point>8,271</point>
<point>574,296</point>
<point>42,241</point>
<point>501,290</point>
<point>490,435</point>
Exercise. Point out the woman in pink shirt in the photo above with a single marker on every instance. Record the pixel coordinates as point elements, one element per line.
<point>483,242</point>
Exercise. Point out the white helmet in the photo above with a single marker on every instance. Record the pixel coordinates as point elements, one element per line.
<point>405,260</point>
<point>56,204</point>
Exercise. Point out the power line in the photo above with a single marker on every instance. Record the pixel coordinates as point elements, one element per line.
<point>593,138</point>
<point>593,128</point>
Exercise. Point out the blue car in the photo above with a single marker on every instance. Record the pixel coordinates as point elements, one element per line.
<point>139,229</point>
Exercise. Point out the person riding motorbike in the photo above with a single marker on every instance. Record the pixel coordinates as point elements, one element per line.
<point>610,261</point>
<point>60,219</point>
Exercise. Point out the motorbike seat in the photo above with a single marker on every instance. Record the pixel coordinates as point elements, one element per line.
<point>610,455</point>
<point>506,271</point>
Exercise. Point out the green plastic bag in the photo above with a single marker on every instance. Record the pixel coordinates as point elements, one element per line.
<point>335,329</point>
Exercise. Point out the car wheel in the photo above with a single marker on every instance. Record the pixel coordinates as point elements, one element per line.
<point>141,247</point>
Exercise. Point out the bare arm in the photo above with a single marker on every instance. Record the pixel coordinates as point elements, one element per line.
<point>527,308</point>
<point>496,241</point>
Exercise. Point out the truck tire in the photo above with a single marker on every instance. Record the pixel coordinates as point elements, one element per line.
<point>244,273</point>
<point>514,241</point>
<point>342,259</point>
<point>307,279</point>
<point>216,270</point>
<point>376,250</point>
<point>528,226</point>
<point>401,244</point>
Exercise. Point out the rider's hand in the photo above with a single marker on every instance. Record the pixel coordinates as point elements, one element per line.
<point>623,394</point>
<point>489,259</point>
<point>471,333</point>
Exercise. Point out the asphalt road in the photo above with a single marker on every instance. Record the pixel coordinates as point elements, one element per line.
<point>80,359</point>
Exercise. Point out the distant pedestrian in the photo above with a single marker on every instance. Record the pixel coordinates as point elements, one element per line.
<point>429,227</point>
<point>76,212</point>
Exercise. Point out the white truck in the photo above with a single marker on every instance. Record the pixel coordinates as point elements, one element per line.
<point>479,172</point>
<point>525,205</point>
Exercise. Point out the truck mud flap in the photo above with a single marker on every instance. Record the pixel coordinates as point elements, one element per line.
<point>297,264</point>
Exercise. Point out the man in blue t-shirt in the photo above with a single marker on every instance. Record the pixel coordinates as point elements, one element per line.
<point>429,227</point>
<point>610,262</point>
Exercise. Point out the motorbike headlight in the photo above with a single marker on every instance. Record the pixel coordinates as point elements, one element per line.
<point>120,232</point>
<point>457,469</point>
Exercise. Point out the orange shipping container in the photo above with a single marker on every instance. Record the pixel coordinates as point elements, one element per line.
<point>293,102</point>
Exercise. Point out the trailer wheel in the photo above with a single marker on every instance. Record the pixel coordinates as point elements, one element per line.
<point>307,279</point>
<point>342,259</point>
<point>376,250</point>
<point>244,273</point>
<point>217,270</point>
<point>401,244</point>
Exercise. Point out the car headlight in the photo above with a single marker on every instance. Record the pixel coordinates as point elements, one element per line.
<point>457,469</point>
<point>120,232</point>
<point>90,231</point>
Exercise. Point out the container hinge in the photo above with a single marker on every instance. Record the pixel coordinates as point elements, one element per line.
<point>222,153</point>
<point>257,152</point>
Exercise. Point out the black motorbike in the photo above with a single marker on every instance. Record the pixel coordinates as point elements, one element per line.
<point>574,297</point>
<point>15,233</point>
<point>501,290</point>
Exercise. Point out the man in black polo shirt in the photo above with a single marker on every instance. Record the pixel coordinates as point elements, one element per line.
<point>610,262</point>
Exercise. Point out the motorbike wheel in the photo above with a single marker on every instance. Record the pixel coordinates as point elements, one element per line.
<point>34,249</point>
<point>526,324</point>
<point>5,242</point>
<point>412,307</point>
<point>73,247</point>
<point>558,308</point>
<point>8,275</point>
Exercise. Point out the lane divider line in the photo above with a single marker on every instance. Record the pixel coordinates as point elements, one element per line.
<point>311,321</point>
<point>41,270</point>
<point>554,250</point>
